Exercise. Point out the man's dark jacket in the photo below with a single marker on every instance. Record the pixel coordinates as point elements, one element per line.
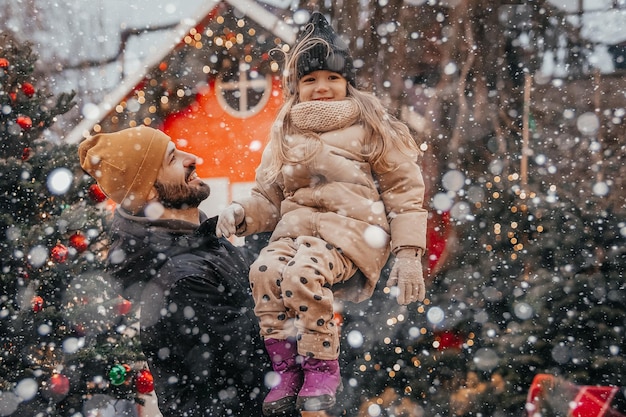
<point>198,327</point>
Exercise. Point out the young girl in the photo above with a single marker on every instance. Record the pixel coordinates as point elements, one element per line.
<point>340,187</point>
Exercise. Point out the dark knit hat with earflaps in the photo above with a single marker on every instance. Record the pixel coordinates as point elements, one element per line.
<point>317,57</point>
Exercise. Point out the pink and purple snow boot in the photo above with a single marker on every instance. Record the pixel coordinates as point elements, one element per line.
<point>322,381</point>
<point>281,399</point>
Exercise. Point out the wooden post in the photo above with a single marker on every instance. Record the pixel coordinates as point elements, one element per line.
<point>597,103</point>
<point>525,130</point>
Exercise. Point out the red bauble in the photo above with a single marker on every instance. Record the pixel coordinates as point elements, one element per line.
<point>37,303</point>
<point>26,154</point>
<point>59,253</point>
<point>144,382</point>
<point>59,384</point>
<point>4,63</point>
<point>96,193</point>
<point>449,339</point>
<point>79,242</point>
<point>25,122</point>
<point>28,89</point>
<point>124,306</point>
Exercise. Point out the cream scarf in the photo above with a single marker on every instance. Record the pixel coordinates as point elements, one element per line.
<point>324,116</point>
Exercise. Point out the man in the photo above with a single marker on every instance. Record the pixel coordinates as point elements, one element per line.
<point>198,329</point>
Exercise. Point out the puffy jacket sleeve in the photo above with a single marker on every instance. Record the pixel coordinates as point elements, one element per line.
<point>262,207</point>
<point>402,190</point>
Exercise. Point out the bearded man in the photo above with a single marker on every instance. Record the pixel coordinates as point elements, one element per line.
<point>198,328</point>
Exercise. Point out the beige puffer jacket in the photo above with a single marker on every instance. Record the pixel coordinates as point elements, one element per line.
<point>339,197</point>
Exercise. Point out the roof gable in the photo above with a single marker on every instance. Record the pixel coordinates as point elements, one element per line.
<point>179,58</point>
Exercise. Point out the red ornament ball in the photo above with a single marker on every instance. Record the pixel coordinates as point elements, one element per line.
<point>37,302</point>
<point>449,340</point>
<point>4,63</point>
<point>124,306</point>
<point>25,122</point>
<point>79,242</point>
<point>144,382</point>
<point>59,253</point>
<point>26,153</point>
<point>28,89</point>
<point>59,384</point>
<point>96,193</point>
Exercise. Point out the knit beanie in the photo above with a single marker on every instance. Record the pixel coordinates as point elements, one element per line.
<point>317,57</point>
<point>125,164</point>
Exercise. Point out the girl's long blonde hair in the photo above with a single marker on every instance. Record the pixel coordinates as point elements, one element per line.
<point>384,130</point>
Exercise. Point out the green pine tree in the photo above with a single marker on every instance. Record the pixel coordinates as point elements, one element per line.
<point>65,348</point>
<point>537,281</point>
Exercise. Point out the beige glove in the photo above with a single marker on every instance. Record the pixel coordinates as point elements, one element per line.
<point>407,276</point>
<point>228,220</point>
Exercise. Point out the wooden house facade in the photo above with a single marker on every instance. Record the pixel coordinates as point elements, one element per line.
<point>215,90</point>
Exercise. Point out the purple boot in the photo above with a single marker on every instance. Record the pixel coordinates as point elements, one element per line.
<point>322,381</point>
<point>282,397</point>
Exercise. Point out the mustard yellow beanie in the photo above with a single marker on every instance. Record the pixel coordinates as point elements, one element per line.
<point>125,164</point>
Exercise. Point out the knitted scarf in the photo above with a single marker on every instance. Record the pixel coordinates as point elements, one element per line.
<point>324,116</point>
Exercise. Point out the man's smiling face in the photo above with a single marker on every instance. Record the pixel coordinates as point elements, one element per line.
<point>178,185</point>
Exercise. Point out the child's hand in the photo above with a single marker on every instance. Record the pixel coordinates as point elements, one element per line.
<point>228,220</point>
<point>408,277</point>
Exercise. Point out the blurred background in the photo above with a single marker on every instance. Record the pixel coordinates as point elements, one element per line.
<point>519,107</point>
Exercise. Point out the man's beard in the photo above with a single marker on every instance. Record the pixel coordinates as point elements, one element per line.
<point>182,196</point>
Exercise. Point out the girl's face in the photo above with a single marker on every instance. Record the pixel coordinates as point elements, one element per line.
<point>322,85</point>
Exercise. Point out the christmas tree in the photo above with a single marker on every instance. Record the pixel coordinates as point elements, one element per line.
<point>66,343</point>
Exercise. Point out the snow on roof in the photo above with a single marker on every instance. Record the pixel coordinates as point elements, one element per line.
<point>603,21</point>
<point>248,7</point>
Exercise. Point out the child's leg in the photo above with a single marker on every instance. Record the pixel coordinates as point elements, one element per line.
<point>277,328</point>
<point>306,284</point>
<point>265,276</point>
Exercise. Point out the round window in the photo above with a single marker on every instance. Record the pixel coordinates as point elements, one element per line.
<point>243,93</point>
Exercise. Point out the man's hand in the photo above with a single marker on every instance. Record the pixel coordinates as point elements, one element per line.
<point>408,277</point>
<point>228,220</point>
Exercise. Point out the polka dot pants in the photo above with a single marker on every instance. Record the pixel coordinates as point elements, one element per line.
<point>291,284</point>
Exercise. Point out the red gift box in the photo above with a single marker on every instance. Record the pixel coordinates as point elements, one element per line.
<point>553,395</point>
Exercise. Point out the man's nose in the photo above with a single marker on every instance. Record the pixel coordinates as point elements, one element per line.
<point>190,159</point>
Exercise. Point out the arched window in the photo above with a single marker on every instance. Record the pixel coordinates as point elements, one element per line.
<point>243,93</point>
